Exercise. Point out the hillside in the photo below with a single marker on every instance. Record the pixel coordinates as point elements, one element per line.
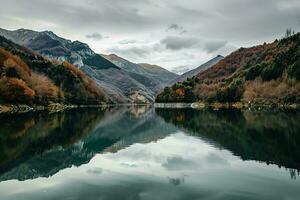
<point>197,70</point>
<point>161,74</point>
<point>28,78</point>
<point>265,74</point>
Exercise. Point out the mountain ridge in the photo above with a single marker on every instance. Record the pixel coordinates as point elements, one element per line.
<point>122,86</point>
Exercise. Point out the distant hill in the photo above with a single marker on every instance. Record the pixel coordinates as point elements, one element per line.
<point>265,74</point>
<point>28,78</point>
<point>161,74</point>
<point>197,70</point>
<point>123,86</point>
<point>152,76</point>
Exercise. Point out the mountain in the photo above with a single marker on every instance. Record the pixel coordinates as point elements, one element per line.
<point>197,70</point>
<point>161,74</point>
<point>121,85</point>
<point>28,78</point>
<point>153,76</point>
<point>263,74</point>
<point>50,45</point>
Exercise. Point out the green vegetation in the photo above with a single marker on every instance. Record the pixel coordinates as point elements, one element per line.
<point>28,78</point>
<point>267,73</point>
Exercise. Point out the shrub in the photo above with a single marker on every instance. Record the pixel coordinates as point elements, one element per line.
<point>254,72</point>
<point>271,91</point>
<point>16,90</point>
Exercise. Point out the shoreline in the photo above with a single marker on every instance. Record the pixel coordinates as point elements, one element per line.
<point>51,108</point>
<point>236,105</point>
<point>57,107</point>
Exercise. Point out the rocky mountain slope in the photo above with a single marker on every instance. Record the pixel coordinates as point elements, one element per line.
<point>121,85</point>
<point>197,70</point>
<point>264,74</point>
<point>28,78</point>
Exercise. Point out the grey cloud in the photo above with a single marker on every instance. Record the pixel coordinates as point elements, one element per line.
<point>134,51</point>
<point>181,69</point>
<point>177,43</point>
<point>176,28</point>
<point>240,23</point>
<point>128,42</point>
<point>213,46</point>
<point>95,36</point>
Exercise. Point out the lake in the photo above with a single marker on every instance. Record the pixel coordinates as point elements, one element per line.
<point>146,153</point>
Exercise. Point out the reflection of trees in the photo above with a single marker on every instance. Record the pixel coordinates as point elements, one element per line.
<point>24,136</point>
<point>58,141</point>
<point>271,137</point>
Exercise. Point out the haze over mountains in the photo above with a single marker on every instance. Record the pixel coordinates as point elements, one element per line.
<point>123,81</point>
<point>196,71</point>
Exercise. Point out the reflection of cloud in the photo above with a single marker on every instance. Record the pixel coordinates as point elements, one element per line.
<point>176,181</point>
<point>213,158</point>
<point>178,163</point>
<point>95,171</point>
<point>128,165</point>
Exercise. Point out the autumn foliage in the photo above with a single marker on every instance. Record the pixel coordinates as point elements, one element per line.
<point>19,84</point>
<point>267,73</point>
<point>31,79</point>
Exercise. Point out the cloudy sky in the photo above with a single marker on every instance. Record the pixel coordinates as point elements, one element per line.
<point>175,34</point>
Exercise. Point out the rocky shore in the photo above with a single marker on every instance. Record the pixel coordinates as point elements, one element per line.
<point>53,107</point>
<point>172,105</point>
<point>248,105</point>
<point>236,105</point>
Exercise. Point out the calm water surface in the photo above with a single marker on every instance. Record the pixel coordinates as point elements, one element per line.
<point>142,153</point>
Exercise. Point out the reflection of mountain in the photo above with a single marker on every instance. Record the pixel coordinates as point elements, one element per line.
<point>41,145</point>
<point>29,136</point>
<point>268,137</point>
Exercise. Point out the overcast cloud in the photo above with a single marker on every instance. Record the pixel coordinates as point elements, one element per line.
<point>168,33</point>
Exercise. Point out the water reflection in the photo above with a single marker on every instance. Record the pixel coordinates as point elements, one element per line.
<point>271,137</point>
<point>145,153</point>
<point>39,145</point>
